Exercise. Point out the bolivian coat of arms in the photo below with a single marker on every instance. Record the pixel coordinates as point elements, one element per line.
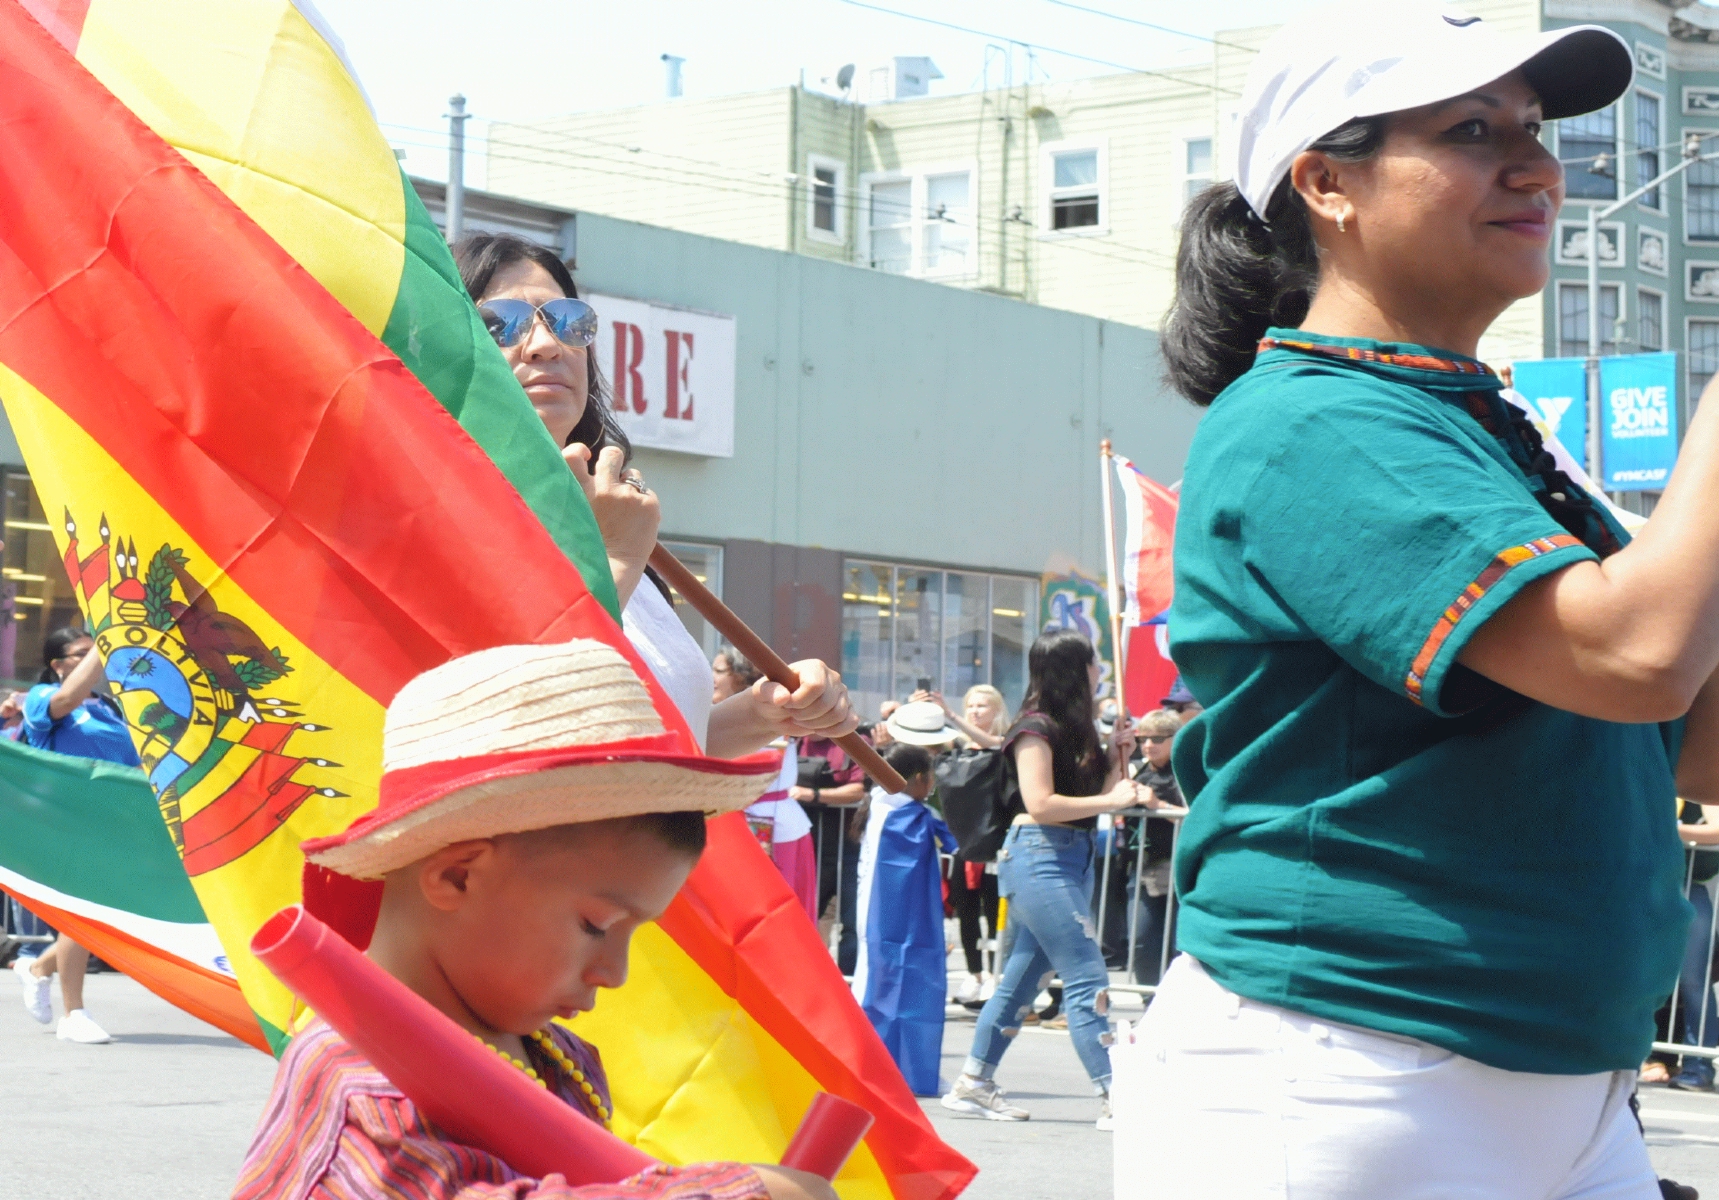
<point>208,700</point>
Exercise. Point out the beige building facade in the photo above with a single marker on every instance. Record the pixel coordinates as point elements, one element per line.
<point>1069,194</point>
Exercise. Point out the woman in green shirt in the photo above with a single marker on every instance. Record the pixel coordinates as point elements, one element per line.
<point>1430,884</point>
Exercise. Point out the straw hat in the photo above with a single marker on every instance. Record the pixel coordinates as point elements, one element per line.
<point>528,737</point>
<point>921,723</point>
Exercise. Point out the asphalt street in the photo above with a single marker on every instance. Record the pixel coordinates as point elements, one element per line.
<point>168,1109</point>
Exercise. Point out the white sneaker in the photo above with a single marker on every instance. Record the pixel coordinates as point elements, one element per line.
<point>76,1026</point>
<point>37,1001</point>
<point>1106,1122</point>
<point>982,1097</point>
<point>968,991</point>
<point>989,988</point>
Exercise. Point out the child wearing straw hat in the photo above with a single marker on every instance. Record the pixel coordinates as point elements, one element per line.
<point>534,812</point>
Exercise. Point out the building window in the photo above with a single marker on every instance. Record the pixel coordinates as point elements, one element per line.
<point>826,210</point>
<point>1588,147</point>
<point>948,223</point>
<point>35,595</point>
<point>1703,356</point>
<point>1648,132</point>
<point>1072,189</point>
<point>1650,319</point>
<point>891,226</point>
<point>1196,167</point>
<point>705,562</point>
<point>952,629</point>
<point>1573,319</point>
<point>1701,202</point>
<point>921,225</point>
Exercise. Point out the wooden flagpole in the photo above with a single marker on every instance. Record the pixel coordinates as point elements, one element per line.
<point>741,637</point>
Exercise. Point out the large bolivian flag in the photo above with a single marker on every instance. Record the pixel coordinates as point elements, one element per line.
<point>273,523</point>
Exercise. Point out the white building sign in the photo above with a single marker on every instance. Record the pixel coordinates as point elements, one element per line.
<point>671,371</point>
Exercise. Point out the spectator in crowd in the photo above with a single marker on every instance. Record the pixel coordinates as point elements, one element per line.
<point>532,308</point>
<point>983,720</point>
<point>901,976</point>
<point>1066,777</point>
<point>12,716</point>
<point>1698,825</point>
<point>68,712</point>
<point>734,674</point>
<point>922,723</point>
<point>831,788</point>
<point>1157,733</point>
<point>1181,702</point>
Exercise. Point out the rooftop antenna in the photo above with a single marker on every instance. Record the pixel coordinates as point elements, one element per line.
<point>671,73</point>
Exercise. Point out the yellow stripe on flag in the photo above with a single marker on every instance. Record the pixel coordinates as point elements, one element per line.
<point>669,1026</point>
<point>70,470</point>
<point>253,113</point>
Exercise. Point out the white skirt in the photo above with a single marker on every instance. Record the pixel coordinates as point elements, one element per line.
<point>1218,1096</point>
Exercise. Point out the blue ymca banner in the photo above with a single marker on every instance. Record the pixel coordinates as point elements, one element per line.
<point>1638,421</point>
<point>1557,391</point>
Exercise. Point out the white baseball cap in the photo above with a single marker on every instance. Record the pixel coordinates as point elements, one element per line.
<point>1363,58</point>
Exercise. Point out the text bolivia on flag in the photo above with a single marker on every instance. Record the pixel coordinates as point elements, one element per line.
<point>312,481</point>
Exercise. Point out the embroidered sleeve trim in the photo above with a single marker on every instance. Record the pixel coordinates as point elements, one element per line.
<point>1470,596</point>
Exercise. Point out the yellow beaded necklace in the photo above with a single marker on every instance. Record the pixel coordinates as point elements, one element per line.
<point>559,1057</point>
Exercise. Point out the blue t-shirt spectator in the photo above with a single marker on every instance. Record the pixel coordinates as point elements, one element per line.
<point>94,729</point>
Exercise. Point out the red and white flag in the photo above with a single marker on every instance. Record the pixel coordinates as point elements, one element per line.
<point>1149,509</point>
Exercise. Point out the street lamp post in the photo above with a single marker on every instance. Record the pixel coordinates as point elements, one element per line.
<point>1691,155</point>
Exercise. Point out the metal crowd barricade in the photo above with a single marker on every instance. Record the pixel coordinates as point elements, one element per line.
<point>1167,943</point>
<point>20,927</point>
<point>1708,1015</point>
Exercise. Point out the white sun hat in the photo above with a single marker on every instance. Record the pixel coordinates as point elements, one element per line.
<point>518,738</point>
<point>1364,58</point>
<point>921,723</point>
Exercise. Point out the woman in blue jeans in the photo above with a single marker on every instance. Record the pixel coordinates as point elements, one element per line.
<point>1067,776</point>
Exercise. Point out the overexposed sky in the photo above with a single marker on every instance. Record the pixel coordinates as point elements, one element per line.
<point>523,59</point>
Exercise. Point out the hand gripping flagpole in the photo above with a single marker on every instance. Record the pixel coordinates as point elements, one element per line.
<point>758,652</point>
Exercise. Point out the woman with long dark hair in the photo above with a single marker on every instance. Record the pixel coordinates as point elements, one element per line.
<point>531,307</point>
<point>1067,776</point>
<point>68,713</point>
<point>1430,882</point>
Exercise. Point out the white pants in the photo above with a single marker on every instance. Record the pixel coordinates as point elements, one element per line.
<point>1247,1101</point>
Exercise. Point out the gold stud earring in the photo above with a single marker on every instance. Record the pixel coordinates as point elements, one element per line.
<point>1340,228</point>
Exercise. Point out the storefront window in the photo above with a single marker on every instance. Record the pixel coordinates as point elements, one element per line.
<point>35,597</point>
<point>705,563</point>
<point>918,629</point>
<point>955,628</point>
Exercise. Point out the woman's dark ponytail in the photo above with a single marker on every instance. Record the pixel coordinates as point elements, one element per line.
<point>1236,275</point>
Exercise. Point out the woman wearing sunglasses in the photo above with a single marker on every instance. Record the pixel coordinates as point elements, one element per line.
<point>531,307</point>
<point>1430,883</point>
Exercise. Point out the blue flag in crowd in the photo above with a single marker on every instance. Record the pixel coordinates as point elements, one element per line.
<point>902,979</point>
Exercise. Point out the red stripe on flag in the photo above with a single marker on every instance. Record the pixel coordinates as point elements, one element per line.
<point>739,921</point>
<point>266,421</point>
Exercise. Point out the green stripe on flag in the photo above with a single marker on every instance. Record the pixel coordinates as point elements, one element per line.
<point>437,332</point>
<point>91,830</point>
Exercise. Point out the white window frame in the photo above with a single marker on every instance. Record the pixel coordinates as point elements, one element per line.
<point>1664,316</point>
<point>1047,175</point>
<point>1618,173</point>
<point>1605,286</point>
<point>922,216</point>
<point>1688,297</point>
<point>1180,169</point>
<point>1664,154</point>
<point>1683,183</point>
<point>1645,231</point>
<point>839,237</point>
<point>1689,358</point>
